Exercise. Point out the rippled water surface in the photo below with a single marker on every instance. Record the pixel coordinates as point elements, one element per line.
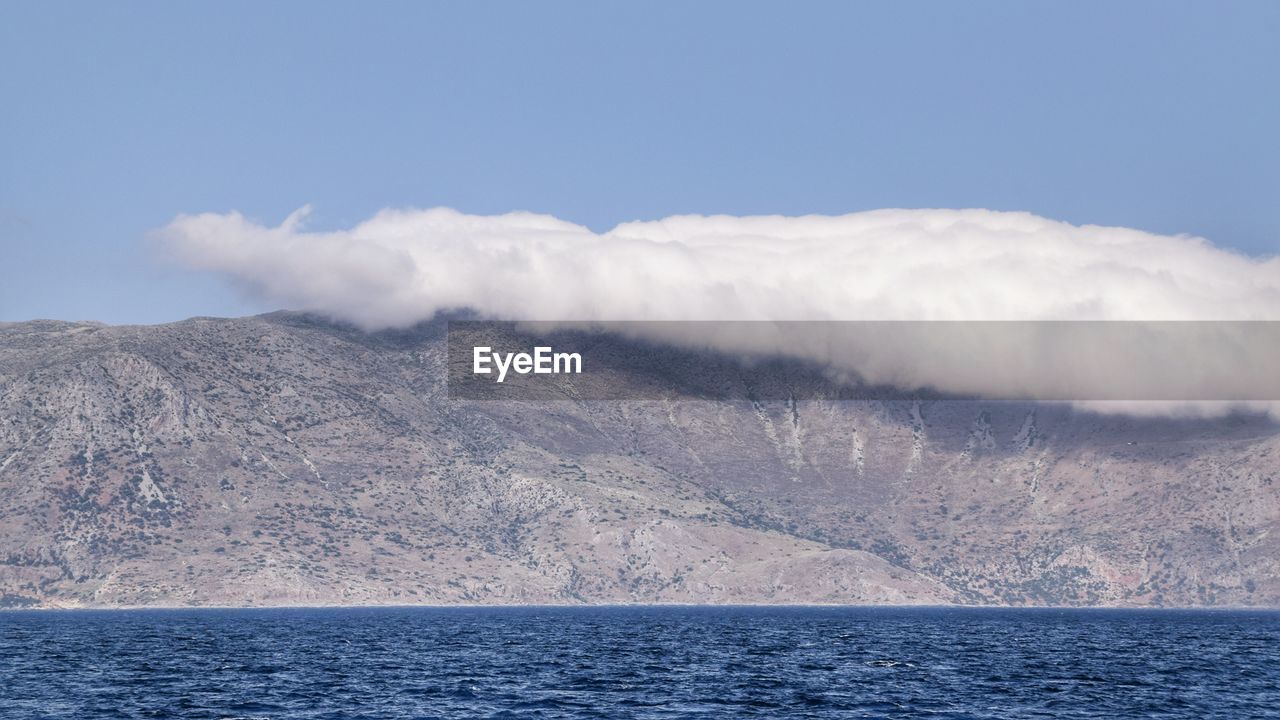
<point>639,663</point>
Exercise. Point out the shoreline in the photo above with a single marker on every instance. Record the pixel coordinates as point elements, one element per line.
<point>640,606</point>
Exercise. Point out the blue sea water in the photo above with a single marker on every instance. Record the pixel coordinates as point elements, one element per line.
<point>642,662</point>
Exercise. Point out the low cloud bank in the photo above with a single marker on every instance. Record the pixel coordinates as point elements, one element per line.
<point>402,267</point>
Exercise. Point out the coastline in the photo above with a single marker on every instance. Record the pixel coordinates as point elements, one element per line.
<point>649,605</point>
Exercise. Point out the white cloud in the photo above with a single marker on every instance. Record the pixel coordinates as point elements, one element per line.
<point>401,267</point>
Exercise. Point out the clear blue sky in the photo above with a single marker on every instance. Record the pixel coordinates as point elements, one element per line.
<point>114,117</point>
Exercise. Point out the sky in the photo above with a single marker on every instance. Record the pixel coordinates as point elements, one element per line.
<point>117,118</point>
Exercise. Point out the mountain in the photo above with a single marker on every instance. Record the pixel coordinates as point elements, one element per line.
<point>286,459</point>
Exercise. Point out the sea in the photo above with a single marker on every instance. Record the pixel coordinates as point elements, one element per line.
<point>639,662</point>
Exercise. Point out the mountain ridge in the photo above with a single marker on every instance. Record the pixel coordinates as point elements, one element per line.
<point>286,459</point>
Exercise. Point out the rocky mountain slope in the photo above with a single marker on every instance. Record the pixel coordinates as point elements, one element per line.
<point>283,459</point>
